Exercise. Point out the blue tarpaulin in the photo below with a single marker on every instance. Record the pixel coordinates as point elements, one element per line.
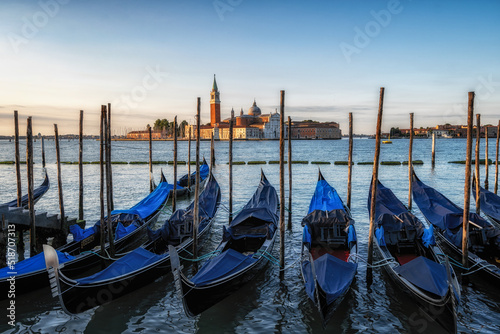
<point>204,170</point>
<point>333,275</point>
<point>122,231</point>
<point>490,203</point>
<point>149,205</point>
<point>134,260</point>
<point>180,222</point>
<point>34,263</point>
<point>325,198</point>
<point>223,265</point>
<point>426,274</point>
<point>448,217</point>
<point>259,217</point>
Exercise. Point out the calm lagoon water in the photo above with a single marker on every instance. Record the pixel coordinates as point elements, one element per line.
<point>265,305</point>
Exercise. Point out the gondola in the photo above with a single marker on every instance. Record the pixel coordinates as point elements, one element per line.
<point>489,203</point>
<point>329,249</point>
<point>139,267</point>
<point>410,256</point>
<point>184,187</point>
<point>37,194</point>
<point>78,256</point>
<point>446,217</point>
<point>243,252</point>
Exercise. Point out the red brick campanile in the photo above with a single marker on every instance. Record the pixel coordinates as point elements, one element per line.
<point>214,105</point>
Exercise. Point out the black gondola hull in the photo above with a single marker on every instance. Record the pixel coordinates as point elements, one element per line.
<point>198,299</point>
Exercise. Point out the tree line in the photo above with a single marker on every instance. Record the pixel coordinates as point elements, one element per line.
<point>168,127</point>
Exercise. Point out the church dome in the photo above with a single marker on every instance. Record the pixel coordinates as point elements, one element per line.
<point>254,110</point>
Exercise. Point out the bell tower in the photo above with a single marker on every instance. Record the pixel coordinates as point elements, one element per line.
<point>214,105</point>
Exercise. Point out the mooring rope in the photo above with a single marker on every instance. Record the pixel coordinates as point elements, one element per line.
<point>480,264</point>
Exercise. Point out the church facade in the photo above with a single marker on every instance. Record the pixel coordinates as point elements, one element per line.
<point>253,125</point>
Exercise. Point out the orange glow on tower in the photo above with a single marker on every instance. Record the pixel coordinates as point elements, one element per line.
<point>214,105</point>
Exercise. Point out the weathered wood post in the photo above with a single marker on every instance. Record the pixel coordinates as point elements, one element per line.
<point>151,187</point>
<point>189,161</point>
<point>80,170</point>
<point>349,163</point>
<point>59,177</point>
<point>231,123</point>
<point>197,185</point>
<point>468,162</point>
<point>102,231</point>
<point>282,184</point>
<point>289,173</point>
<point>410,162</point>
<point>112,204</point>
<point>31,202</point>
<point>374,180</point>
<point>43,152</point>
<point>486,161</point>
<point>174,191</point>
<point>18,161</point>
<point>108,185</point>
<point>433,149</point>
<point>212,151</point>
<point>477,164</point>
<point>496,158</point>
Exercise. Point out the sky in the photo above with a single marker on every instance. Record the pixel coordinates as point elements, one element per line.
<point>152,58</point>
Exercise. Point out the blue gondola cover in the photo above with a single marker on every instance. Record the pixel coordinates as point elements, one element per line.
<point>34,263</point>
<point>325,198</point>
<point>134,260</point>
<point>490,203</point>
<point>426,274</point>
<point>223,265</point>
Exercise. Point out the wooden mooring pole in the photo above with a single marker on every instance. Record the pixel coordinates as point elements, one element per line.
<point>477,163</point>
<point>212,152</point>
<point>108,185</point>
<point>80,170</point>
<point>486,160</point>
<point>289,173</point>
<point>111,202</point>
<point>43,152</point>
<point>496,157</point>
<point>349,163</point>
<point>374,181</point>
<point>18,161</point>
<point>174,191</point>
<point>282,184</point>
<point>433,149</point>
<point>31,202</point>
<point>59,178</point>
<point>468,162</point>
<point>231,124</point>
<point>197,185</point>
<point>410,162</point>
<point>151,187</point>
<point>101,193</point>
<point>189,160</point>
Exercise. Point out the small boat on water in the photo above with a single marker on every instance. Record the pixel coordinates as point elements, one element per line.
<point>329,249</point>
<point>244,250</point>
<point>489,203</point>
<point>412,259</point>
<point>447,218</point>
<point>37,194</point>
<point>141,266</point>
<point>388,141</point>
<point>79,256</point>
<point>184,187</point>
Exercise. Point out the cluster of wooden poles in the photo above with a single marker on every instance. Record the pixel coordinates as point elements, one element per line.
<point>106,171</point>
<point>467,188</point>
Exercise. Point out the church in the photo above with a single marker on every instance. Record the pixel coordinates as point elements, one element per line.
<point>253,125</point>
